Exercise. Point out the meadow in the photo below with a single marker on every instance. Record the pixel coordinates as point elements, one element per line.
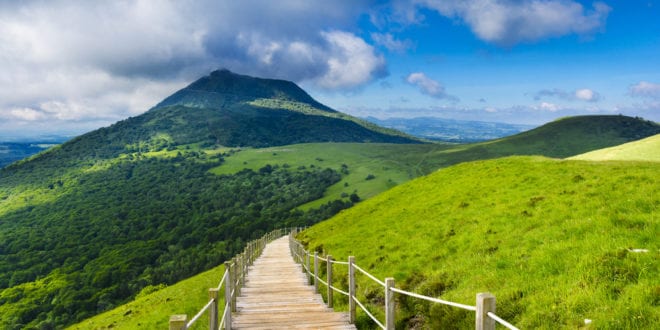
<point>554,240</point>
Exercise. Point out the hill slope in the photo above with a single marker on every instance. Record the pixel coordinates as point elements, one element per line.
<point>87,224</point>
<point>553,240</point>
<point>647,149</point>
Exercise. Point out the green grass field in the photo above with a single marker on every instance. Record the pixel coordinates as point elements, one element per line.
<point>386,165</point>
<point>552,239</point>
<point>153,310</point>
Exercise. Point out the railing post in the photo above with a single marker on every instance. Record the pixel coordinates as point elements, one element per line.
<point>234,281</point>
<point>309,275</point>
<point>228,300</point>
<point>316,272</point>
<point>213,311</point>
<point>178,322</point>
<point>485,304</point>
<point>329,280</point>
<point>351,290</point>
<point>389,304</point>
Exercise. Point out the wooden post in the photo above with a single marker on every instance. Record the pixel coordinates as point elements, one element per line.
<point>234,289</point>
<point>213,311</point>
<point>485,304</point>
<point>351,290</point>
<point>389,304</point>
<point>178,322</point>
<point>228,300</point>
<point>309,275</point>
<point>316,272</point>
<point>329,280</point>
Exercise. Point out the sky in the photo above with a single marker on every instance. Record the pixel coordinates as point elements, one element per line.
<point>71,66</point>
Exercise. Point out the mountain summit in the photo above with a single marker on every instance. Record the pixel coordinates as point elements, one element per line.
<point>229,109</point>
<point>223,86</point>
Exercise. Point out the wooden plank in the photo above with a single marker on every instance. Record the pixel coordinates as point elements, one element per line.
<point>277,296</point>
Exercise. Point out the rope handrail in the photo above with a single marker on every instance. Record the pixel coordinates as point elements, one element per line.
<point>369,275</point>
<point>340,291</point>
<point>436,300</point>
<point>366,311</point>
<point>340,262</point>
<point>199,314</point>
<point>501,321</point>
<point>222,281</point>
<point>224,314</point>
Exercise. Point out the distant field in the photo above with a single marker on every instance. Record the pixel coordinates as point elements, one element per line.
<point>370,168</point>
<point>644,150</point>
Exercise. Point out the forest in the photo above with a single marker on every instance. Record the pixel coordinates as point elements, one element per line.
<point>85,242</point>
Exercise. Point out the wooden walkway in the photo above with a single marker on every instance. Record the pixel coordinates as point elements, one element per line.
<point>276,296</point>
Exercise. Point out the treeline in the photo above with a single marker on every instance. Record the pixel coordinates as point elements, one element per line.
<point>114,229</point>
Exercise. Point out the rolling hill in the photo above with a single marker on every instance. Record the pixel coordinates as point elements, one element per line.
<point>556,241</point>
<point>162,196</point>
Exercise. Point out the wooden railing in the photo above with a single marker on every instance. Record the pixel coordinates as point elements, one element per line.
<point>485,317</point>
<point>232,281</point>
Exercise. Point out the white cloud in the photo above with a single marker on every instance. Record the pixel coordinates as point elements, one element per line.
<point>388,41</point>
<point>645,89</point>
<point>583,94</point>
<point>549,107</point>
<point>100,61</point>
<point>428,86</point>
<point>586,94</point>
<point>25,114</point>
<point>351,61</point>
<point>508,22</point>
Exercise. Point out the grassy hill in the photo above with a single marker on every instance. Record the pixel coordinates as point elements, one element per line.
<point>647,149</point>
<point>552,239</point>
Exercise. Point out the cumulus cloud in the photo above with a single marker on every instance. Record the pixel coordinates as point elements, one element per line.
<point>508,22</point>
<point>92,61</point>
<point>645,89</point>
<point>583,94</point>
<point>429,86</point>
<point>388,41</point>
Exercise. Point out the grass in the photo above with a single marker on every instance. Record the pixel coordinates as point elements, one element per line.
<point>641,150</point>
<point>552,239</point>
<point>386,165</point>
<point>152,310</point>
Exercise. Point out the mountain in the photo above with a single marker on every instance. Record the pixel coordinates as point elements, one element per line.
<point>239,110</point>
<point>647,149</point>
<point>89,223</point>
<point>557,242</point>
<point>451,130</point>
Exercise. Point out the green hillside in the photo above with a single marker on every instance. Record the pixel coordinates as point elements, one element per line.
<point>552,239</point>
<point>151,310</point>
<point>647,149</point>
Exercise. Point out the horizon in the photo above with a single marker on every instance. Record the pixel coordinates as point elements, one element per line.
<point>72,66</point>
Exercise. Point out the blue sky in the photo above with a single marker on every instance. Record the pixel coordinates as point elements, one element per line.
<point>70,66</point>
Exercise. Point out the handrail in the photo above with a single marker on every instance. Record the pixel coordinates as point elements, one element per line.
<point>501,321</point>
<point>485,317</point>
<point>194,319</point>
<point>369,275</point>
<point>232,279</point>
<point>373,318</point>
<point>435,300</point>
